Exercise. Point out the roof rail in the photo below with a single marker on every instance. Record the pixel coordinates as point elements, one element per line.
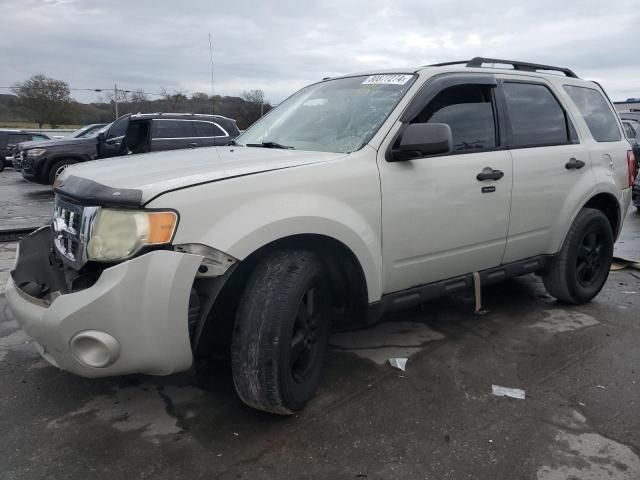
<point>478,62</point>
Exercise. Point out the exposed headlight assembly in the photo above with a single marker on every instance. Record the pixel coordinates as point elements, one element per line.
<point>119,234</point>
<point>36,152</point>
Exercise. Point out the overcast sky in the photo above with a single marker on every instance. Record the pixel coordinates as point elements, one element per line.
<point>279,45</point>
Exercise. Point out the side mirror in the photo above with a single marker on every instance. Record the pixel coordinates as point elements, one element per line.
<point>101,136</point>
<point>421,140</point>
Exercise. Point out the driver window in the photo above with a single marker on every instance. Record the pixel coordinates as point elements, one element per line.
<point>468,110</point>
<point>119,128</point>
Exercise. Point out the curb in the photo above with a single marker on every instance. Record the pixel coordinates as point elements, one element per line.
<point>15,234</point>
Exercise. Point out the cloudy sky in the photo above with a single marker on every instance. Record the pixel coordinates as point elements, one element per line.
<point>281,45</point>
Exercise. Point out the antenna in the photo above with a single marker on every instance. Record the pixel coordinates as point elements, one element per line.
<point>213,103</point>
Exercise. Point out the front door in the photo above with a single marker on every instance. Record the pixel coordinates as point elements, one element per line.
<point>111,145</point>
<point>440,220</point>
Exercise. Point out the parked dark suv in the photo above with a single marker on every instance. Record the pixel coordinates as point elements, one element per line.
<point>10,138</point>
<point>139,133</point>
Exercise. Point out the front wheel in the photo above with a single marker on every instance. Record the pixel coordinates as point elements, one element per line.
<point>578,273</point>
<point>57,168</point>
<point>281,332</point>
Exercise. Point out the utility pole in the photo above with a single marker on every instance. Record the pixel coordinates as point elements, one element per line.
<point>213,102</point>
<point>115,97</point>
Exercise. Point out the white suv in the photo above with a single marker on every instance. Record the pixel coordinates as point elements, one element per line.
<point>356,196</point>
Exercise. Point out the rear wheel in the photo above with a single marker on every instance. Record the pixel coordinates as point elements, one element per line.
<point>281,332</point>
<point>2,164</point>
<point>580,270</point>
<point>57,168</point>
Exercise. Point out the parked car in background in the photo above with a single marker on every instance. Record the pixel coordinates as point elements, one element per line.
<point>632,132</point>
<point>88,131</point>
<point>635,193</point>
<point>9,138</point>
<point>139,133</point>
<point>356,196</point>
<point>633,114</point>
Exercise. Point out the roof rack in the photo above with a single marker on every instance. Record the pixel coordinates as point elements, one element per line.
<point>478,62</point>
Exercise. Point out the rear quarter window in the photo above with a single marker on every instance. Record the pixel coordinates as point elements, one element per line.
<point>596,112</point>
<point>208,129</point>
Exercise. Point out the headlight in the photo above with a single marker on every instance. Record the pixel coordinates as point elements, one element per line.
<point>36,152</point>
<point>119,234</point>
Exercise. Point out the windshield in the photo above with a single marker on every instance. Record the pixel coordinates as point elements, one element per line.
<point>89,131</point>
<point>334,116</point>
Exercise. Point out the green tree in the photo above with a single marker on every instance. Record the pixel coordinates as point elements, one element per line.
<point>46,99</point>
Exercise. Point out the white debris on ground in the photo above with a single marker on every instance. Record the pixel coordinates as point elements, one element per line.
<point>399,363</point>
<point>499,391</point>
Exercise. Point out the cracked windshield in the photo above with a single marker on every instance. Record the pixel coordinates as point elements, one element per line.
<point>333,116</point>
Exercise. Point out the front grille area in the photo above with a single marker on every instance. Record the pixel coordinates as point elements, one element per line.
<point>68,235</point>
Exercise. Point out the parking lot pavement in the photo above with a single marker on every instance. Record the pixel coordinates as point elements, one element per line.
<point>579,367</point>
<point>24,204</point>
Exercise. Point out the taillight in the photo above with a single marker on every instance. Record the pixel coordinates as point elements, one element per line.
<point>631,164</point>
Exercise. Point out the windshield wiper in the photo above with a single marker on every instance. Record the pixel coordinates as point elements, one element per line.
<point>271,145</point>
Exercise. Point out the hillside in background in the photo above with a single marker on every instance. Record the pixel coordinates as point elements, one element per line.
<point>244,112</point>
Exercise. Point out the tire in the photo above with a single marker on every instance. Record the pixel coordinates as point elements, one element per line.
<point>57,168</point>
<point>1,164</point>
<point>580,270</point>
<point>281,332</point>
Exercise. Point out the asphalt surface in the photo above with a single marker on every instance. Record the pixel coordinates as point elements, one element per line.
<point>23,204</point>
<point>580,419</point>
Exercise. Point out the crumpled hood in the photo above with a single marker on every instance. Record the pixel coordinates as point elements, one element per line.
<point>140,178</point>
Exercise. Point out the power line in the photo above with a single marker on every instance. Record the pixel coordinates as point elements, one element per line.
<point>101,90</point>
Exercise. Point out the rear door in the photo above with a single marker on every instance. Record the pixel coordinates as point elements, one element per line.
<point>172,134</point>
<point>551,167</point>
<point>439,220</point>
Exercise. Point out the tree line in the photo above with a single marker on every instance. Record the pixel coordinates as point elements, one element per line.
<point>48,101</point>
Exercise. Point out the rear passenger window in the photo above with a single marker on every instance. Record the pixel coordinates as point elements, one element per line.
<point>208,129</point>
<point>537,119</point>
<point>468,110</point>
<point>596,113</point>
<point>173,129</point>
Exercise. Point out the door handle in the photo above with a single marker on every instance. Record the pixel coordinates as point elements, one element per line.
<point>193,145</point>
<point>489,173</point>
<point>574,164</point>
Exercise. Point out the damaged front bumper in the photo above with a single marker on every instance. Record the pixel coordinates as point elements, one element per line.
<point>133,319</point>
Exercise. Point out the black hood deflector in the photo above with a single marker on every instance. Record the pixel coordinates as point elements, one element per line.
<point>88,192</point>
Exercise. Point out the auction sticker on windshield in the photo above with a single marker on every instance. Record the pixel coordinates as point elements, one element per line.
<point>396,79</point>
